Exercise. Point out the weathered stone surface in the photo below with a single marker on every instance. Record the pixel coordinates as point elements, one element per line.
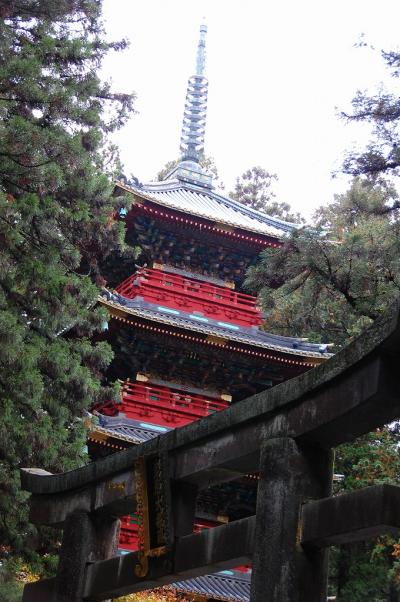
<point>115,496</point>
<point>282,570</point>
<point>78,539</point>
<point>285,570</point>
<point>353,516</point>
<point>85,540</point>
<point>184,507</point>
<point>196,554</point>
<point>39,591</point>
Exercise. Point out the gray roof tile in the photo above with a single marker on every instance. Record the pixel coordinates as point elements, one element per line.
<point>133,431</point>
<point>226,585</point>
<point>199,201</point>
<point>232,332</point>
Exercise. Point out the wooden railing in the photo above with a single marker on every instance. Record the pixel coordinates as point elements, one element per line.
<point>191,295</point>
<point>165,407</point>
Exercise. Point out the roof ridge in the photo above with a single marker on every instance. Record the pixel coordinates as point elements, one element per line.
<point>173,185</point>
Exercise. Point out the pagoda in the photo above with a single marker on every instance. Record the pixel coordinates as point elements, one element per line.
<point>188,340</point>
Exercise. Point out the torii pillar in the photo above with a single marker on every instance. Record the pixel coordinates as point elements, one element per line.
<point>290,475</point>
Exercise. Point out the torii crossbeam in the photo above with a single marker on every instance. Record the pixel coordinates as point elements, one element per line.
<point>286,434</point>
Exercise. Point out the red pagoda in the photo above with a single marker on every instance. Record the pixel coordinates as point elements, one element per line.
<point>188,340</point>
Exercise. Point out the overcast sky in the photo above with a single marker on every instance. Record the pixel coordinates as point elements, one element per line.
<point>278,73</point>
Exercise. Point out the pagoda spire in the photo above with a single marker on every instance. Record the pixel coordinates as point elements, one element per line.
<point>201,51</point>
<point>194,118</point>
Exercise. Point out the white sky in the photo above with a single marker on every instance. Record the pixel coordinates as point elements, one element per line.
<point>278,73</point>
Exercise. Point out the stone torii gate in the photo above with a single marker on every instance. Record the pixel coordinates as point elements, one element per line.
<point>286,433</point>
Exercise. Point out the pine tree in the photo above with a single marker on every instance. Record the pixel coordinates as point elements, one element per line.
<point>382,112</point>
<point>332,280</point>
<point>55,225</point>
<point>254,189</point>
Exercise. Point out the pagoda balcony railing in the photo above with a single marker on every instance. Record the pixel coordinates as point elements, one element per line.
<point>191,295</point>
<point>129,534</point>
<point>165,407</point>
<point>129,531</point>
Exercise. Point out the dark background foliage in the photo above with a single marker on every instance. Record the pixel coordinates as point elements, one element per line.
<point>56,167</point>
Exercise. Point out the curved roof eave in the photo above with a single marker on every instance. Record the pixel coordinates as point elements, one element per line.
<point>204,203</point>
<point>281,345</point>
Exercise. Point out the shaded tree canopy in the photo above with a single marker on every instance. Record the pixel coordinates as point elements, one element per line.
<point>55,223</point>
<point>368,569</point>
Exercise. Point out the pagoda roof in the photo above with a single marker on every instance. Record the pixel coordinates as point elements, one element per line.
<point>232,586</point>
<point>195,199</point>
<point>126,429</point>
<point>195,322</point>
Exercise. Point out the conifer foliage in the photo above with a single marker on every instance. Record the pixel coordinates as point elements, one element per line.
<point>254,189</point>
<point>331,280</point>
<point>381,111</point>
<point>55,226</point>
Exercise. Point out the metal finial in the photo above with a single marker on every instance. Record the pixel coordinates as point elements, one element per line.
<point>201,50</point>
<point>194,118</point>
